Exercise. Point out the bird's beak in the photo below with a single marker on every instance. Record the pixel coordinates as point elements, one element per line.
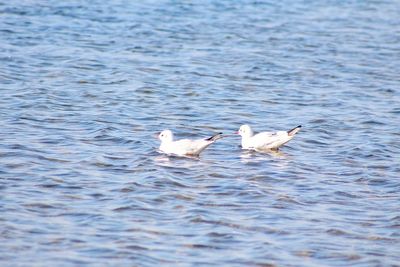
<point>156,135</point>
<point>236,132</point>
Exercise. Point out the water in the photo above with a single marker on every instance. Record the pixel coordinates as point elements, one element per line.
<point>85,85</point>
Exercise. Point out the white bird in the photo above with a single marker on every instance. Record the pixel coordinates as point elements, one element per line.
<point>184,147</point>
<point>265,140</point>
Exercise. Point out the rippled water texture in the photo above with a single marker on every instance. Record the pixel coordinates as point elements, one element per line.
<point>85,85</point>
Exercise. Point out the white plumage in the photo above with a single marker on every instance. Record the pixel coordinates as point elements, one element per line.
<point>184,147</point>
<point>265,140</point>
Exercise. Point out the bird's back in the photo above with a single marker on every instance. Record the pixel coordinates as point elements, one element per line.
<point>185,146</point>
<point>270,140</point>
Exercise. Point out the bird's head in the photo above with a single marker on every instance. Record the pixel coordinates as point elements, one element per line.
<point>245,131</point>
<point>166,136</point>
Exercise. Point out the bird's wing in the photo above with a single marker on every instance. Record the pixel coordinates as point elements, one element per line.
<point>263,137</point>
<point>197,146</point>
<point>188,147</point>
<point>270,140</point>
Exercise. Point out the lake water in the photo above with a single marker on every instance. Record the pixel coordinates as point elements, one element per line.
<point>85,86</point>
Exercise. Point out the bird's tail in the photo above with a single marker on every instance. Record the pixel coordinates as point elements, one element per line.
<point>215,137</point>
<point>294,130</point>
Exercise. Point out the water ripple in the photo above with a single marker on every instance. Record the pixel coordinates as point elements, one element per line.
<point>86,86</point>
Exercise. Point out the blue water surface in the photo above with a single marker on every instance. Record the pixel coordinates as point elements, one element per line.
<point>85,85</point>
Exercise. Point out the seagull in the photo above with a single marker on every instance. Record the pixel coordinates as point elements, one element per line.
<point>265,140</point>
<point>184,147</point>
